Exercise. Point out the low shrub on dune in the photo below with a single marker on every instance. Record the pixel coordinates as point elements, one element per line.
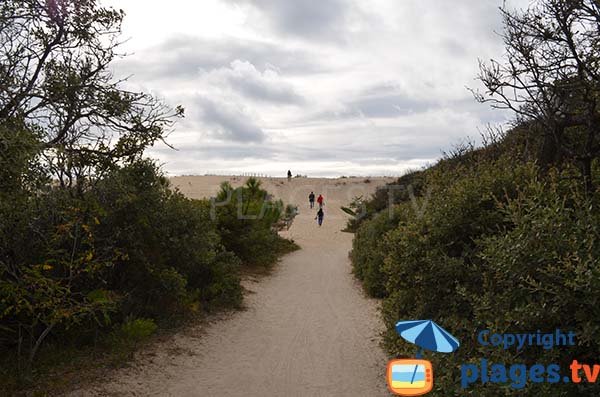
<point>246,218</point>
<point>498,244</point>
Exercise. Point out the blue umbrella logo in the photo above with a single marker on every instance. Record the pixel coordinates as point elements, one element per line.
<point>427,335</point>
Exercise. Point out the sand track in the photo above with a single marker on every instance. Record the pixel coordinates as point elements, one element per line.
<point>308,329</point>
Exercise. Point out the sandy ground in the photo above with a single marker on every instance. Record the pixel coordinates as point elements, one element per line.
<point>308,329</point>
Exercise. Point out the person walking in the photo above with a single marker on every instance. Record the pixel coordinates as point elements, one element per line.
<point>321,201</point>
<point>320,216</point>
<point>289,175</point>
<point>311,199</point>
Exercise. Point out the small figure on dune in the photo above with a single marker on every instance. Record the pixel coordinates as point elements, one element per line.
<point>320,215</point>
<point>311,200</point>
<point>289,175</point>
<point>321,201</point>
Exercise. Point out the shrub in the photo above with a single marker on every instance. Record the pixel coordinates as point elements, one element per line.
<point>224,283</point>
<point>498,246</point>
<point>101,253</point>
<point>173,250</point>
<point>45,279</point>
<point>543,271</point>
<point>246,219</point>
<point>134,331</point>
<point>404,189</point>
<point>368,251</point>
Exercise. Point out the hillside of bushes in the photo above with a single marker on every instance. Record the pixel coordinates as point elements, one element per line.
<point>504,236</point>
<point>487,241</point>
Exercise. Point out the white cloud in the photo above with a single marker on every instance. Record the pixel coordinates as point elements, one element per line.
<point>243,77</point>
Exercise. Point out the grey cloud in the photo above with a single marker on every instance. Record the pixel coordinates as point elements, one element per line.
<point>357,153</point>
<point>244,78</point>
<point>183,57</point>
<point>430,51</point>
<point>256,89</point>
<point>227,121</point>
<point>382,100</point>
<point>324,19</point>
<point>388,106</point>
<point>225,151</point>
<point>387,100</point>
<point>485,113</point>
<point>385,87</point>
<point>454,48</point>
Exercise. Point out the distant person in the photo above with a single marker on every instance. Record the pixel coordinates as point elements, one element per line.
<point>289,175</point>
<point>320,215</point>
<point>311,200</point>
<point>321,201</point>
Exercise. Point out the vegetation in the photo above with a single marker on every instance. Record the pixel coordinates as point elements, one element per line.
<point>96,250</point>
<point>505,237</point>
<point>246,218</point>
<point>551,77</point>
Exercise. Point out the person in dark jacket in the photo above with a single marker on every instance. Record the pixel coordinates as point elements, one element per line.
<point>320,216</point>
<point>289,175</point>
<point>311,200</point>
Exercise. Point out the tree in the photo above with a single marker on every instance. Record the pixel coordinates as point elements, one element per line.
<point>55,78</point>
<point>63,115</point>
<point>551,77</point>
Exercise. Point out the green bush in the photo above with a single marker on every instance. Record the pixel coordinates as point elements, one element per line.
<point>543,271</point>
<point>134,331</point>
<point>125,246</point>
<point>499,246</point>
<point>46,279</point>
<point>171,245</point>
<point>20,166</point>
<point>91,235</point>
<point>247,219</point>
<point>368,252</point>
<point>431,254</point>
<point>404,189</point>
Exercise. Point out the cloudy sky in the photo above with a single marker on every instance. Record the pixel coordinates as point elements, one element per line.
<point>321,87</point>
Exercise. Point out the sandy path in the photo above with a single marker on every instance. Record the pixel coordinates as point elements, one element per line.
<point>308,329</point>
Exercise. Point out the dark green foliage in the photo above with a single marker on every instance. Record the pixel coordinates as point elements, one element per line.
<point>349,211</point>
<point>405,189</point>
<point>20,168</point>
<point>55,78</point>
<point>171,244</point>
<point>544,269</point>
<point>132,332</point>
<point>246,218</point>
<point>368,251</point>
<point>496,246</point>
<point>550,78</point>
<point>128,246</point>
<point>505,237</point>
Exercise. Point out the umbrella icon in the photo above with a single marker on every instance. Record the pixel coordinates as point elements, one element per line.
<point>427,335</point>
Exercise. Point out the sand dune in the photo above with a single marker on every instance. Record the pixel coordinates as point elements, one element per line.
<point>308,329</point>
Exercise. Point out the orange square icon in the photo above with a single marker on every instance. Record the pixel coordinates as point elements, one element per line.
<point>409,377</point>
